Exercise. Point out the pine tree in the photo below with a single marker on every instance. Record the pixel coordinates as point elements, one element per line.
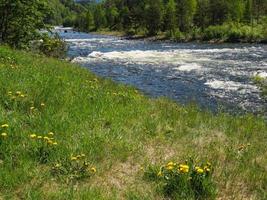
<point>170,17</point>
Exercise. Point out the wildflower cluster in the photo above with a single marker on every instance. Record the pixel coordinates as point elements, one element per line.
<point>74,168</point>
<point>21,100</point>
<point>48,139</point>
<point>184,180</point>
<point>44,145</point>
<point>3,131</point>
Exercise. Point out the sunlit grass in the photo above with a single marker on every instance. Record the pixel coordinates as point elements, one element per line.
<point>52,112</point>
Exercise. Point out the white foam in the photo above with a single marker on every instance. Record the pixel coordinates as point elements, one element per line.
<point>261,74</point>
<point>230,86</point>
<point>189,67</point>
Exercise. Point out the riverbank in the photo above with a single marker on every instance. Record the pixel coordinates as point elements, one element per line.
<point>227,33</point>
<point>55,115</point>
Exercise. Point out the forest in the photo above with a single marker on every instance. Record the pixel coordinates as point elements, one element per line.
<point>182,20</point>
<point>230,20</point>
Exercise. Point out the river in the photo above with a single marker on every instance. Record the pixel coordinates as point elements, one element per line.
<point>215,76</point>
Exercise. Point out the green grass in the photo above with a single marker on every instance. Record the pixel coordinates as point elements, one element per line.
<point>119,130</point>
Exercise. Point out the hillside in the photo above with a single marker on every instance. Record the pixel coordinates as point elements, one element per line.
<point>68,134</point>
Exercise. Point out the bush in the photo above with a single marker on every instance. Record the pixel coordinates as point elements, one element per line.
<point>184,181</point>
<point>53,47</point>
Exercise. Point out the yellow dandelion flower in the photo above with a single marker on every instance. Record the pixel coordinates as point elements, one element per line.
<point>50,133</point>
<point>4,135</point>
<point>32,108</point>
<point>183,168</point>
<point>9,93</point>
<point>73,158</point>
<point>55,143</point>
<point>93,169</point>
<point>170,164</point>
<point>39,137</point>
<point>50,142</point>
<point>33,136</point>
<point>42,104</point>
<point>58,165</point>
<point>82,155</point>
<point>46,138</point>
<point>170,167</point>
<point>22,95</point>
<point>4,126</point>
<point>199,170</point>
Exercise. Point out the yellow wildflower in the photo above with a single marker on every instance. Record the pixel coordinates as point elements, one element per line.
<point>51,133</point>
<point>22,95</point>
<point>199,170</point>
<point>57,165</point>
<point>207,169</point>
<point>50,142</point>
<point>4,126</point>
<point>33,136</point>
<point>4,135</point>
<point>183,168</point>
<point>73,158</point>
<point>9,93</point>
<point>18,93</point>
<point>42,104</point>
<point>82,155</point>
<point>39,137</point>
<point>55,143</point>
<point>93,170</point>
<point>32,108</point>
<point>170,167</point>
<point>46,138</point>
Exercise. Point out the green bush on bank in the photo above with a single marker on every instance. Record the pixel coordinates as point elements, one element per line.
<point>231,32</point>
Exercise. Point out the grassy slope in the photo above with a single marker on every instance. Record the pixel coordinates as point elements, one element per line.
<point>119,130</point>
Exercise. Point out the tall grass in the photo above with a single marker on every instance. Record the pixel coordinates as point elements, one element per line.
<point>114,131</point>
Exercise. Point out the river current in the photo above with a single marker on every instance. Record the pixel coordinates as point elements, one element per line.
<point>211,75</point>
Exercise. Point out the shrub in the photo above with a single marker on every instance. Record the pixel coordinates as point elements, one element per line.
<point>184,181</point>
<point>53,47</point>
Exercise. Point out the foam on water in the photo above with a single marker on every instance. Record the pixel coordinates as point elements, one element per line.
<point>230,85</point>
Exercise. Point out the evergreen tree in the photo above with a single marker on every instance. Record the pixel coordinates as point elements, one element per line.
<point>170,17</point>
<point>154,14</point>
<point>186,10</point>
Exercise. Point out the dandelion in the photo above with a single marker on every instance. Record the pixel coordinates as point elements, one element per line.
<point>93,170</point>
<point>18,93</point>
<point>58,165</point>
<point>9,93</point>
<point>42,104</point>
<point>199,170</point>
<point>46,138</point>
<point>33,136</point>
<point>32,108</point>
<point>73,158</point>
<point>50,133</point>
<point>82,155</point>
<point>183,168</point>
<point>54,143</point>
<point>4,126</point>
<point>50,142</point>
<point>22,95</point>
<point>4,135</point>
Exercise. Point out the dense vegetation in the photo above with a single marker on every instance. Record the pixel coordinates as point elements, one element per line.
<point>67,134</point>
<point>227,20</point>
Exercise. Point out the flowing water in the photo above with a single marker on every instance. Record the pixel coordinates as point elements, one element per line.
<point>212,75</point>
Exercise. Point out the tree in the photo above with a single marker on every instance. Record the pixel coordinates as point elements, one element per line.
<point>153,16</point>
<point>20,21</point>
<point>186,10</point>
<point>170,17</point>
<point>100,20</point>
<point>202,18</point>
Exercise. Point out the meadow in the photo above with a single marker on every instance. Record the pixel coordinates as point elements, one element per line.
<point>68,134</point>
